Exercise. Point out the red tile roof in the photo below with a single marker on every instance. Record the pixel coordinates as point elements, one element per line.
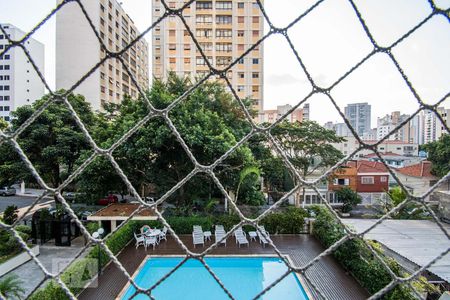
<point>422,169</point>
<point>365,166</point>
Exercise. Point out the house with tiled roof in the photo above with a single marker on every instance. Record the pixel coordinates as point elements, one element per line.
<point>370,179</point>
<point>417,178</point>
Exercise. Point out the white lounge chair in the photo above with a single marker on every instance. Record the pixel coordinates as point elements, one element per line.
<point>242,240</point>
<point>262,239</point>
<point>264,232</point>
<point>139,239</point>
<point>219,235</point>
<point>150,241</point>
<point>197,238</point>
<point>239,232</point>
<point>197,228</point>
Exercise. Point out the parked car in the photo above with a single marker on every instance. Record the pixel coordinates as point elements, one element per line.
<point>108,200</point>
<point>7,191</point>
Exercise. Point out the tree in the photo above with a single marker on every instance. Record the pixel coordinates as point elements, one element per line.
<point>349,199</point>
<point>209,121</point>
<point>247,179</point>
<point>10,214</point>
<point>439,155</point>
<point>53,142</point>
<point>307,145</point>
<point>11,287</point>
<point>411,211</point>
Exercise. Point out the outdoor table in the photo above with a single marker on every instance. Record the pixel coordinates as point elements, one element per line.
<point>154,232</point>
<point>252,235</point>
<point>207,235</point>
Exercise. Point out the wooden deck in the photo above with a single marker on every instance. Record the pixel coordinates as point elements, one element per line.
<point>326,274</point>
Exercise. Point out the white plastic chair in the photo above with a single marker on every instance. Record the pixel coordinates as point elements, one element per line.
<point>139,239</point>
<point>150,241</point>
<point>162,235</point>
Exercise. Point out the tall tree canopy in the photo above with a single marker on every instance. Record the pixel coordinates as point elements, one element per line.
<point>209,121</point>
<point>53,142</point>
<point>307,145</point>
<point>439,155</point>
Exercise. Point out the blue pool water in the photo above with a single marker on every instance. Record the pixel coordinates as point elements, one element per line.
<point>243,277</point>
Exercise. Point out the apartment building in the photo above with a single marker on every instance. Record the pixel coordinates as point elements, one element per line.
<point>388,123</point>
<point>78,50</point>
<point>430,127</point>
<point>224,30</point>
<point>19,82</point>
<point>359,116</point>
<point>298,115</point>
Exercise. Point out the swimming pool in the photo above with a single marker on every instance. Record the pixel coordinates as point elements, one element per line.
<point>244,277</point>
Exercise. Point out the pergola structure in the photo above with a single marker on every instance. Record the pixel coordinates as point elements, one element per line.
<point>116,213</point>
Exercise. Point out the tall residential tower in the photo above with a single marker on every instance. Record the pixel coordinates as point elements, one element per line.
<point>78,50</point>
<point>359,116</point>
<point>224,30</point>
<point>19,82</point>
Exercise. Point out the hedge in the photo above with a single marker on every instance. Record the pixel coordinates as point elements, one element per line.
<point>355,256</point>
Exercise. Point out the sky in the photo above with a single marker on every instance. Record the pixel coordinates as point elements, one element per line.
<point>330,41</point>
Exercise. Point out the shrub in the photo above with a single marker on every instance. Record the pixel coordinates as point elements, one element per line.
<point>11,287</point>
<point>349,199</point>
<point>290,221</point>
<point>10,214</point>
<point>23,228</point>
<point>52,291</point>
<point>92,227</point>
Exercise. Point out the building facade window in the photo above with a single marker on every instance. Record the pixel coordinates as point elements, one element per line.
<point>367,180</point>
<point>224,5</point>
<point>206,46</point>
<point>223,60</point>
<point>224,33</point>
<point>203,19</point>
<point>203,5</point>
<point>203,33</point>
<point>223,19</point>
<point>224,47</point>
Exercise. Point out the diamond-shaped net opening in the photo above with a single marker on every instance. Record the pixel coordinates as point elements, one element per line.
<point>106,152</point>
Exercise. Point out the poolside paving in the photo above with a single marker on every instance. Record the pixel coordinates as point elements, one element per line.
<point>326,274</point>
